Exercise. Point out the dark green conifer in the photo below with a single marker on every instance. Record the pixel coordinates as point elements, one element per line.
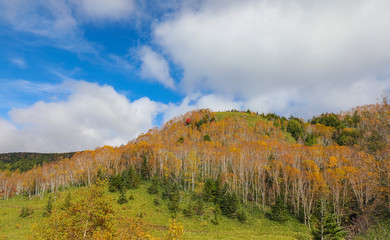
<point>154,188</point>
<point>279,211</point>
<point>67,202</point>
<point>122,197</point>
<point>325,225</point>
<point>49,207</point>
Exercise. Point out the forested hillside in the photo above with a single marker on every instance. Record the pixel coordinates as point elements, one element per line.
<point>332,172</point>
<point>25,161</point>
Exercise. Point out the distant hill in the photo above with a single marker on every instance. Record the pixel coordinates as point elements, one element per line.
<point>330,171</point>
<point>25,161</point>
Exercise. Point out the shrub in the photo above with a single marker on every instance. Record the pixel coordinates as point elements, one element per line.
<point>181,140</point>
<point>199,207</point>
<point>131,196</point>
<point>157,202</point>
<point>189,210</point>
<point>176,230</point>
<point>216,212</point>
<point>294,127</point>
<point>311,139</point>
<point>26,211</point>
<point>90,216</point>
<point>242,216</point>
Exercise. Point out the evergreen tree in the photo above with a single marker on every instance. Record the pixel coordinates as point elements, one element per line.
<point>49,207</point>
<point>100,175</point>
<point>173,203</point>
<point>132,178</point>
<point>145,168</point>
<point>122,197</point>
<point>210,191</point>
<point>228,202</point>
<point>126,181</point>
<point>172,193</point>
<point>325,224</point>
<point>242,216</point>
<point>279,211</point>
<point>115,183</point>
<point>154,187</point>
<point>67,202</point>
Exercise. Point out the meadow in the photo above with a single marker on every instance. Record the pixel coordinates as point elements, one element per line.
<point>156,218</point>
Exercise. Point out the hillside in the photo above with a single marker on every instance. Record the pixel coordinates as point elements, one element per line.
<point>328,172</point>
<point>25,161</point>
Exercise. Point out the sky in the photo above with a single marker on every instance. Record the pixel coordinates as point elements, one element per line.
<point>80,74</point>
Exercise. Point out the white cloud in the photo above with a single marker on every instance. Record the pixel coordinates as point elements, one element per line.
<point>8,136</point>
<point>282,55</point>
<point>104,9</point>
<point>213,102</point>
<point>18,62</point>
<point>91,116</point>
<point>155,67</point>
<point>57,22</point>
<point>51,20</point>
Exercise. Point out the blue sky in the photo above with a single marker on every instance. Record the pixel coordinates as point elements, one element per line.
<point>79,74</point>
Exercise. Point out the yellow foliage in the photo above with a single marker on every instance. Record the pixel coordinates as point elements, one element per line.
<point>176,231</point>
<point>332,161</point>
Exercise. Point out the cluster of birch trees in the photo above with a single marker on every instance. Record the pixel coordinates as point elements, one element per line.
<point>257,159</point>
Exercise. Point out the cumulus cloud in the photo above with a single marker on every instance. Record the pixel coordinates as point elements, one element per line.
<point>155,67</point>
<point>282,55</point>
<point>91,116</point>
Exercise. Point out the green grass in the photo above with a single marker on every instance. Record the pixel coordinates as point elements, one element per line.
<point>156,219</point>
<point>250,118</point>
<point>12,226</point>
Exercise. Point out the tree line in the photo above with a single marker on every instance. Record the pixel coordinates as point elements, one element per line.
<point>24,161</point>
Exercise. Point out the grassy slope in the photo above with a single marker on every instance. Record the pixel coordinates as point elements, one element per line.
<point>251,120</point>
<point>156,219</point>
<point>249,117</point>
